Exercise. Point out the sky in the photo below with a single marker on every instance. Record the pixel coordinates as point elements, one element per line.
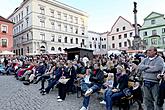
<point>102,13</point>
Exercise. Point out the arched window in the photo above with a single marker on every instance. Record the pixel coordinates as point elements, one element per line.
<point>52,49</point>
<point>59,49</point>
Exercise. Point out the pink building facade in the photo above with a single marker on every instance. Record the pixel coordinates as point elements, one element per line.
<point>6,34</point>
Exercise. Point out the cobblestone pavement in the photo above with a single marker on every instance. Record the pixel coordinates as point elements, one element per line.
<point>16,96</point>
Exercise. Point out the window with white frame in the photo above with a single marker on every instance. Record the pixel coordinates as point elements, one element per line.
<point>59,26</point>
<point>163,30</point>
<point>65,27</point>
<point>42,10</point>
<point>125,44</point>
<point>145,33</point>
<point>154,41</point>
<point>71,40</point>
<point>71,18</point>
<point>76,30</point>
<point>52,49</point>
<point>52,38</point>
<point>66,39</point>
<point>154,32</point>
<point>153,21</point>
<point>53,25</point>
<point>27,10</point>
<point>21,14</point>
<point>52,13</point>
<point>42,36</point>
<point>82,31</point>
<point>71,28</point>
<point>22,26</point>
<point>42,22</point>
<point>4,42</point>
<point>76,40</point>
<point>27,22</point>
<point>58,15</point>
<point>4,28</point>
<point>76,20</point>
<point>65,17</point>
<point>59,38</point>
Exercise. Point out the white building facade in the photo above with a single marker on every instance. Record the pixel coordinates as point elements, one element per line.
<point>48,26</point>
<point>97,42</point>
<point>121,35</point>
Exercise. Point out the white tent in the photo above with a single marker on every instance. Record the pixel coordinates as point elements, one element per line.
<point>6,53</point>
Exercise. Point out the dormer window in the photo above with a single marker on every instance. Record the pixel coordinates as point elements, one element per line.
<point>153,21</point>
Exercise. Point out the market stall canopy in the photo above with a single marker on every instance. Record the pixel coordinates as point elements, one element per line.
<point>6,53</point>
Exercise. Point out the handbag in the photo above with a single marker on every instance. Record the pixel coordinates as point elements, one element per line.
<point>63,80</point>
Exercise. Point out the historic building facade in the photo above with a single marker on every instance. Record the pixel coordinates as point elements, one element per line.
<point>6,34</point>
<point>97,42</point>
<point>121,35</point>
<point>47,26</point>
<point>153,30</point>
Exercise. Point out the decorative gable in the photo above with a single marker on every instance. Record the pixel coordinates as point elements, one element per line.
<point>153,15</point>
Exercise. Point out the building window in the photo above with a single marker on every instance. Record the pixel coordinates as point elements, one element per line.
<point>120,45</point>
<point>104,46</point>
<point>27,10</point>
<point>42,23</point>
<point>104,38</point>
<point>113,37</point>
<point>92,38</point>
<point>22,14</point>
<point>76,30</point>
<point>71,18</point>
<point>59,15</point>
<point>82,21</point>
<point>66,39</point>
<point>28,49</point>
<point>130,34</point>
<point>71,29</point>
<point>59,26</point>
<point>52,13</point>
<point>124,28</point>
<point>163,30</point>
<point>90,45</point>
<point>154,41</point>
<point>125,35</point>
<point>99,46</point>
<point>145,33</point>
<point>83,31</point>
<point>76,40</point>
<point>71,40</point>
<point>163,40</point>
<point>27,22</point>
<point>154,32</point>
<point>42,36</point>
<point>27,36</point>
<point>153,21</point>
<point>113,45</point>
<point>4,28</point>
<point>65,27</point>
<point>117,30</point>
<point>96,39</point>
<point>22,27</point>
<point>146,42</point>
<point>119,36</point>
<point>125,44</point>
<point>53,38</point>
<point>76,20</point>
<point>53,26</point>
<point>65,17</point>
<point>82,42</point>
<point>59,38</point>
<point>52,49</point>
<point>42,9</point>
<point>59,49</point>
<point>4,42</point>
<point>95,46</point>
